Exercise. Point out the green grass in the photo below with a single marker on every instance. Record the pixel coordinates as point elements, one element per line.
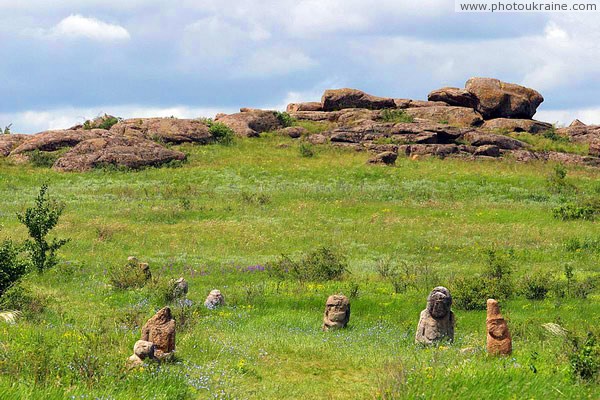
<point>551,142</point>
<point>236,206</point>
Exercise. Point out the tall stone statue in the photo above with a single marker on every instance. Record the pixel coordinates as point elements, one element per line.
<point>160,330</point>
<point>499,341</point>
<point>437,320</point>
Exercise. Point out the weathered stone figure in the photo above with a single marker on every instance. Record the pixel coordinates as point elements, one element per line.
<point>437,320</point>
<point>143,267</point>
<point>160,330</point>
<point>180,288</point>
<point>337,312</point>
<point>499,341</point>
<point>214,300</point>
<point>141,351</point>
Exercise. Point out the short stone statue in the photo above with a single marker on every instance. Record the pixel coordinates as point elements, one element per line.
<point>337,312</point>
<point>214,300</point>
<point>437,320</point>
<point>142,350</point>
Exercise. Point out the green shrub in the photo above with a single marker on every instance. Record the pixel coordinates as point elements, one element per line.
<point>554,136</point>
<point>306,150</point>
<point>129,276</point>
<point>589,244</point>
<point>398,274</point>
<point>574,211</point>
<point>222,133</point>
<point>104,122</point>
<point>322,264</point>
<point>535,286</point>
<point>42,159</point>
<point>584,359</point>
<point>582,289</point>
<point>39,221</point>
<point>6,130</point>
<point>471,293</point>
<point>557,182</point>
<point>396,116</point>
<point>12,267</point>
<point>284,118</point>
<point>18,297</point>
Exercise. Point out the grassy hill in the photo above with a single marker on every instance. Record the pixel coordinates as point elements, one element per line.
<point>219,218</point>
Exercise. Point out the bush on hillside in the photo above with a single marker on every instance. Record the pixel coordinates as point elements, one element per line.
<point>322,264</point>
<point>12,266</point>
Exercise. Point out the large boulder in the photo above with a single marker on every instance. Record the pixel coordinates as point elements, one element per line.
<point>54,140</point>
<point>168,130</point>
<point>517,125</point>
<point>460,116</point>
<point>131,152</point>
<point>408,103</point>
<point>477,138</point>
<point>454,97</point>
<point>385,157</point>
<point>10,142</point>
<point>310,106</point>
<point>497,99</point>
<point>252,122</point>
<point>339,99</point>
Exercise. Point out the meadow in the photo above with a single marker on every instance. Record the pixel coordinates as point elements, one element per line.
<point>223,217</point>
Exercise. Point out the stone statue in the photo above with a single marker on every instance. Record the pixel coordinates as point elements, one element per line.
<point>499,341</point>
<point>437,320</point>
<point>160,330</point>
<point>337,312</point>
<point>214,300</point>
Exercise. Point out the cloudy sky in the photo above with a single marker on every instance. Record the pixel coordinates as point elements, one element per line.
<point>64,61</point>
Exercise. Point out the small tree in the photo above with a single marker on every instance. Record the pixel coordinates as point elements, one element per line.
<point>6,130</point>
<point>40,220</point>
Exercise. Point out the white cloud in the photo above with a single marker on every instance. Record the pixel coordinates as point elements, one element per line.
<point>589,116</point>
<point>273,61</point>
<point>77,26</point>
<point>33,121</point>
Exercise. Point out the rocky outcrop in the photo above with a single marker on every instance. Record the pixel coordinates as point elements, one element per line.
<point>251,123</point>
<point>437,150</point>
<point>437,319</point>
<point>10,142</point>
<point>310,106</point>
<point>477,138</point>
<point>337,312</point>
<point>488,150</point>
<point>497,99</point>
<point>339,99</point>
<point>160,330</point>
<point>517,125</point>
<point>386,158</point>
<point>55,140</point>
<point>130,152</point>
<point>580,133</point>
<point>166,130</point>
<point>454,97</point>
<point>409,103</point>
<point>293,131</point>
<point>459,116</point>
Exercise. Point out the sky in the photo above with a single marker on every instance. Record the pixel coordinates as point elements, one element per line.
<point>65,61</point>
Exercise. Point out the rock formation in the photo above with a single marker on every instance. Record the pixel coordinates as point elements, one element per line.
<point>337,312</point>
<point>160,330</point>
<point>454,97</point>
<point>251,123</point>
<point>497,99</point>
<point>167,130</point>
<point>386,157</point>
<point>437,320</point>
<point>338,99</point>
<point>142,350</point>
<point>214,299</point>
<point>130,152</point>
<point>499,341</point>
<point>10,142</point>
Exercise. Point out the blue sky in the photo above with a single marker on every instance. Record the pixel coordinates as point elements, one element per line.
<point>67,60</point>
